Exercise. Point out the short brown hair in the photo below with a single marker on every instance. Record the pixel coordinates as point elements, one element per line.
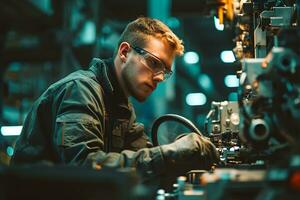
<point>136,33</point>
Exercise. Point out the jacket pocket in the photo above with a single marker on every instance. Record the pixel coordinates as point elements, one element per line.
<point>119,130</point>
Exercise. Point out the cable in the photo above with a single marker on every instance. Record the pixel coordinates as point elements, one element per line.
<point>171,117</point>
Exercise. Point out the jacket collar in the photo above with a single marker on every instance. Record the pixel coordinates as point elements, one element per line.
<point>106,75</point>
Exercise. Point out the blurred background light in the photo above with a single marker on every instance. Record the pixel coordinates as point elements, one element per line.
<point>205,82</point>
<point>10,151</point>
<point>219,27</point>
<point>173,22</point>
<point>44,5</point>
<point>88,35</point>
<point>227,56</point>
<point>195,99</point>
<point>231,81</point>
<point>233,96</point>
<point>11,130</point>
<point>191,57</point>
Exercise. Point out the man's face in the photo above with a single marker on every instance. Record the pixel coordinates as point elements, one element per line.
<point>140,72</point>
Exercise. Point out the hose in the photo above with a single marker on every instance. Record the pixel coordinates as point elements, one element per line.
<point>171,117</point>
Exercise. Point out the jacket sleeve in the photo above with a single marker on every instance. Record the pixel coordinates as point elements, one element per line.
<point>79,133</point>
<point>136,137</point>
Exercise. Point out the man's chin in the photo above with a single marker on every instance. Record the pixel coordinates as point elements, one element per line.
<point>141,97</point>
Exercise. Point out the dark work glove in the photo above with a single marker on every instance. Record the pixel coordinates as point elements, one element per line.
<point>189,152</point>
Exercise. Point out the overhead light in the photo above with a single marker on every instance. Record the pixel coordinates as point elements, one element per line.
<point>191,57</point>
<point>227,56</point>
<point>11,130</point>
<point>219,27</point>
<point>195,99</point>
<point>231,81</point>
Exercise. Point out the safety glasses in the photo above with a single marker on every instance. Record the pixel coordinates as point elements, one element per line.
<point>156,65</point>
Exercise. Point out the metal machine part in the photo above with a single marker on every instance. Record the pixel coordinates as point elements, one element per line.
<point>228,183</point>
<point>259,129</point>
<point>258,23</point>
<point>222,184</point>
<point>222,124</point>
<point>269,90</point>
<point>269,22</point>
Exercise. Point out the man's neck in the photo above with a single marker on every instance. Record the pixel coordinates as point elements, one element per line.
<point>118,68</point>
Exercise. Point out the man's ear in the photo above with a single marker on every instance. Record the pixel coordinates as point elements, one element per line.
<point>123,51</point>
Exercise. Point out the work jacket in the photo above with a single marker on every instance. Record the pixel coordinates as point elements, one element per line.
<point>85,119</point>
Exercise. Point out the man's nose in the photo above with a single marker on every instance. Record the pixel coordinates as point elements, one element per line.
<point>158,77</point>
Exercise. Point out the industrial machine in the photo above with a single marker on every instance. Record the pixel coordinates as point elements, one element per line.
<point>257,136</point>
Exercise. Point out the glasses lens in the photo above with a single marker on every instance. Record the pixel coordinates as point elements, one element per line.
<point>156,65</point>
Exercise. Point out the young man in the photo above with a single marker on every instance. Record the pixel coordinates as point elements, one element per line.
<point>86,119</point>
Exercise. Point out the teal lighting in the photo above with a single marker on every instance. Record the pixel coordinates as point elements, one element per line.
<point>231,81</point>
<point>44,5</point>
<point>233,96</point>
<point>205,82</point>
<point>227,56</point>
<point>173,22</point>
<point>219,27</point>
<point>10,151</point>
<point>88,35</point>
<point>11,130</point>
<point>195,99</point>
<point>191,57</point>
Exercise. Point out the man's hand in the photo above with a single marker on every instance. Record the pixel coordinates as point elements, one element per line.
<point>189,152</point>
